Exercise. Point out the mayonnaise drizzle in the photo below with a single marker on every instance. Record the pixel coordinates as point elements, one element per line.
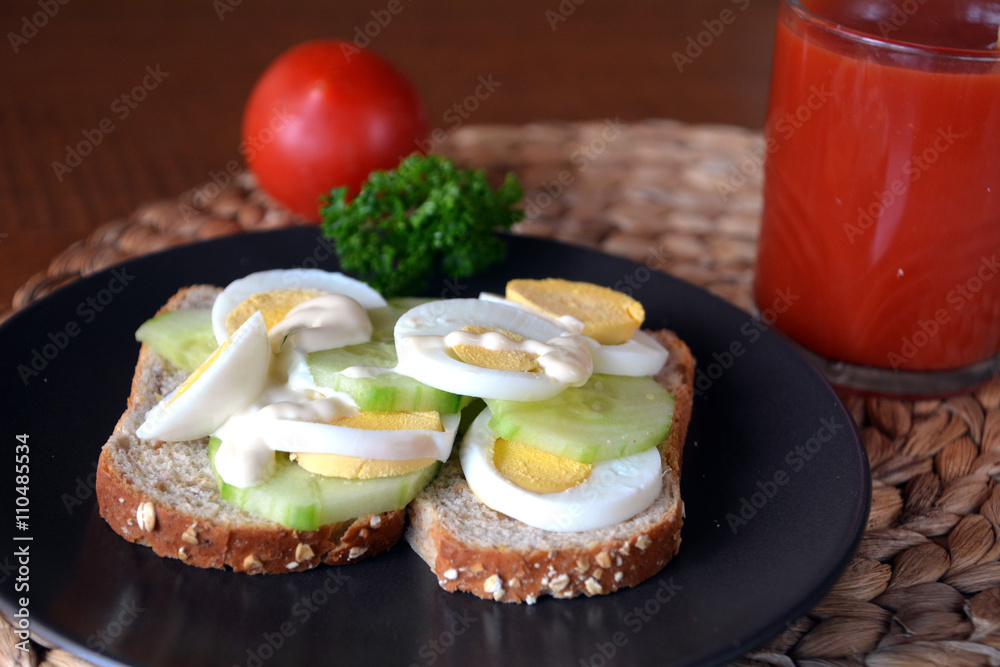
<point>325,410</point>
<point>322,323</point>
<point>565,358</point>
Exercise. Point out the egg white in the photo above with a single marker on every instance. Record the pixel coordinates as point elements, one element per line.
<point>434,366</point>
<point>247,454</point>
<point>293,435</point>
<point>615,491</point>
<point>639,356</point>
<point>231,382</point>
<point>263,281</point>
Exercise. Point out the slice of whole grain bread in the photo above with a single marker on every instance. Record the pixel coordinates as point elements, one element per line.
<point>473,548</point>
<point>164,495</point>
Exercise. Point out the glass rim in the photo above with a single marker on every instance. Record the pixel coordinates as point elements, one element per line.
<point>879,41</point>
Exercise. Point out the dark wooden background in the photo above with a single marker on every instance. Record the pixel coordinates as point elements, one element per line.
<point>63,66</point>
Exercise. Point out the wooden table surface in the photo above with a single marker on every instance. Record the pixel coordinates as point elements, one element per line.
<point>66,65</point>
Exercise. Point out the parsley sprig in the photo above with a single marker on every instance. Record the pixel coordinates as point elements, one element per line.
<point>426,216</point>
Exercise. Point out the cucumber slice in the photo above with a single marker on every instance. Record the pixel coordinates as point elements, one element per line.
<point>381,391</point>
<point>392,392</point>
<point>609,417</point>
<point>300,500</point>
<point>327,364</point>
<point>384,318</point>
<point>184,337</point>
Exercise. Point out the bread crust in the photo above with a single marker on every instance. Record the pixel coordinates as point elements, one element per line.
<point>591,567</point>
<point>254,546</point>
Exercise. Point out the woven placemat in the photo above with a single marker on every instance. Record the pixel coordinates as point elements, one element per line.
<point>924,588</point>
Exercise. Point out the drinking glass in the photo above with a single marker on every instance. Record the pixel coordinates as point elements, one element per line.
<point>879,252</point>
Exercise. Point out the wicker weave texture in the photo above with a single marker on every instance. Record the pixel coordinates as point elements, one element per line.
<point>925,585</point>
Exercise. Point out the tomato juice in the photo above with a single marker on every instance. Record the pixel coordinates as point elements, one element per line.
<point>882,182</point>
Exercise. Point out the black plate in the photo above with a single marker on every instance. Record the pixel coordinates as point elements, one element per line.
<point>775,482</point>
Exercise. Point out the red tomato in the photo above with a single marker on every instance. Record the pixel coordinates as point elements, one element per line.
<point>326,114</point>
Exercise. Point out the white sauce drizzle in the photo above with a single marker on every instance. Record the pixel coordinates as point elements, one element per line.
<point>322,323</point>
<point>565,358</point>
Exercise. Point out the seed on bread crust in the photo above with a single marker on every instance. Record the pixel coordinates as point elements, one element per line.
<point>303,552</point>
<point>451,574</point>
<point>642,542</point>
<point>252,563</point>
<point>559,583</point>
<point>182,554</point>
<point>190,535</point>
<point>603,559</point>
<point>145,516</point>
<point>493,584</point>
<point>375,521</point>
<point>356,552</point>
<point>593,588</point>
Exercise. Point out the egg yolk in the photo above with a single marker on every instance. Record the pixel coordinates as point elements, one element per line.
<point>198,372</point>
<point>354,467</point>
<point>609,317</point>
<point>393,421</point>
<point>535,470</point>
<point>503,360</point>
<point>273,305</point>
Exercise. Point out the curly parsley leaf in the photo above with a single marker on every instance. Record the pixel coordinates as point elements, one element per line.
<point>425,216</point>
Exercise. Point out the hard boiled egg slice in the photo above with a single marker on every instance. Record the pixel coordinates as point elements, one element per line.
<point>639,356</point>
<point>289,435</point>
<point>279,291</point>
<point>609,317</point>
<point>355,467</point>
<point>229,380</point>
<point>476,348</point>
<point>607,494</point>
<point>246,455</point>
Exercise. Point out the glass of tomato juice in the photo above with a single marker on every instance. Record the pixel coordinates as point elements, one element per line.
<point>879,251</point>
